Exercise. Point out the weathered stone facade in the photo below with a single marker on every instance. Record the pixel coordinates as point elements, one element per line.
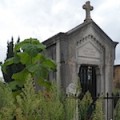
<point>116,77</point>
<point>84,45</point>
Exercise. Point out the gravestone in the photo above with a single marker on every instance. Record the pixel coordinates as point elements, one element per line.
<point>71,89</point>
<point>85,52</point>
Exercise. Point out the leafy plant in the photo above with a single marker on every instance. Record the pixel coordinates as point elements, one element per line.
<point>30,53</point>
<point>7,105</point>
<point>98,112</point>
<point>117,111</point>
<point>84,106</point>
<point>70,108</point>
<point>35,105</point>
<point>27,102</point>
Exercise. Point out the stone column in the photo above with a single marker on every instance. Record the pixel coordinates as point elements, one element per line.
<point>58,74</point>
<point>108,85</point>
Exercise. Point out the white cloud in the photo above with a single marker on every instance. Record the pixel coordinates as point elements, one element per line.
<point>59,6</point>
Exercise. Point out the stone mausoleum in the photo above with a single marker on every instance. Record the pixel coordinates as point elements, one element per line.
<point>85,52</point>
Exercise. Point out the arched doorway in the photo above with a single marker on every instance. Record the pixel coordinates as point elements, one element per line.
<point>87,74</point>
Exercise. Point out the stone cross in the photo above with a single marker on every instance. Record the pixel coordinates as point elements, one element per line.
<point>88,8</point>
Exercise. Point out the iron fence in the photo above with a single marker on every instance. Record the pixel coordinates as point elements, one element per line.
<point>107,97</point>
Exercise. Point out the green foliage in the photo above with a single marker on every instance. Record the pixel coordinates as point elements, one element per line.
<point>51,105</point>
<point>44,105</point>
<point>10,69</point>
<point>30,54</point>
<point>117,111</point>
<point>70,108</point>
<point>84,106</point>
<point>10,46</point>
<point>98,112</point>
<point>27,102</point>
<point>7,105</point>
<point>33,105</point>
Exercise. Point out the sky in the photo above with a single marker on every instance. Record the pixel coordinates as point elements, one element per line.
<point>42,19</point>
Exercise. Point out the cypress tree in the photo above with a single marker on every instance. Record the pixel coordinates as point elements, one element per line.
<point>14,68</point>
<point>10,47</point>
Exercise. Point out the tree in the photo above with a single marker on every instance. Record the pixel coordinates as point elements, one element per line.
<point>13,68</point>
<point>41,104</point>
<point>10,46</point>
<point>45,104</point>
<point>30,53</point>
<point>8,74</point>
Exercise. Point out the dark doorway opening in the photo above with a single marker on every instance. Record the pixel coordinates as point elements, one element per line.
<point>87,74</point>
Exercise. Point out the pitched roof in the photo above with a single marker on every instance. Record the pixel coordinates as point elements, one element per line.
<point>80,27</point>
<point>95,26</point>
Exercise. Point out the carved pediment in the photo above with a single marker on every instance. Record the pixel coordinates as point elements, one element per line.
<point>92,39</point>
<point>88,50</point>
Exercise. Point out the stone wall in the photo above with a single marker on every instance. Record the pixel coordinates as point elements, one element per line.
<point>116,77</point>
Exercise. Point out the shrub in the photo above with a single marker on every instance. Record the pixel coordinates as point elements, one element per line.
<point>117,111</point>
<point>34,105</point>
<point>84,106</point>
<point>98,112</point>
<point>7,105</point>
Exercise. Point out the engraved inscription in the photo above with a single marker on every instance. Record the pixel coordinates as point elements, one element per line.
<point>88,50</point>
